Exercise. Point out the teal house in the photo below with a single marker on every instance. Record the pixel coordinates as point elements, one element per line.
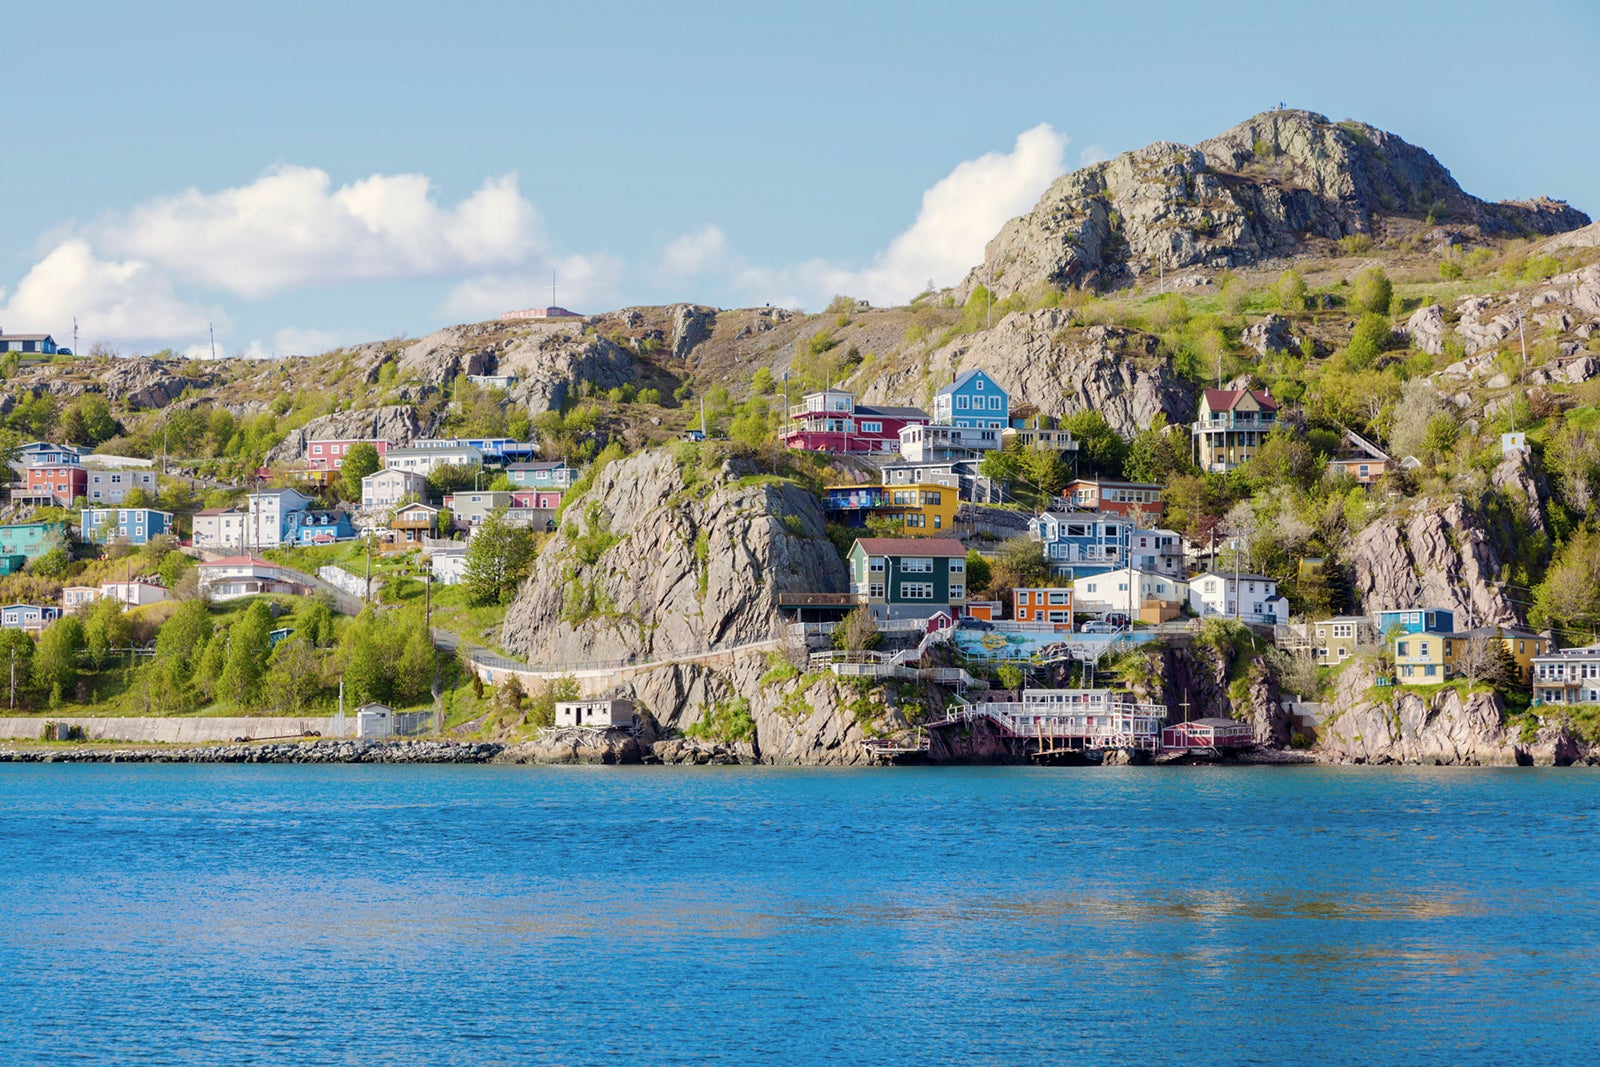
<point>909,577</point>
<point>975,400</point>
<point>31,539</point>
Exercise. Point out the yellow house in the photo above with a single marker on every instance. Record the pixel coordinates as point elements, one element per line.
<point>1231,425</point>
<point>1430,658</point>
<point>923,510</point>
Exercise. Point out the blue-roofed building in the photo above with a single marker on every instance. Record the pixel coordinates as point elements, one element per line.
<point>134,525</point>
<point>973,399</point>
<point>1417,621</point>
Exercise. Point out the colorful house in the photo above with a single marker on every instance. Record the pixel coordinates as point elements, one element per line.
<point>1042,604</point>
<point>28,616</point>
<point>832,421</point>
<point>973,399</point>
<point>327,453</point>
<point>242,576</point>
<point>112,485</point>
<point>1077,544</point>
<point>1339,638</point>
<point>921,511</point>
<point>1209,734</point>
<point>219,528</point>
<point>1132,592</point>
<point>51,475</point>
<point>1118,498</point>
<point>471,508</point>
<point>31,539</point>
<point>1231,425</point>
<point>1426,658</point>
<point>424,460</point>
<point>541,475</point>
<point>1360,459</point>
<point>318,528</point>
<point>271,519</point>
<point>38,344</point>
<point>414,523</point>
<point>906,577</point>
<point>133,525</point>
<point>495,450</point>
<point>1416,621</point>
<point>134,594</point>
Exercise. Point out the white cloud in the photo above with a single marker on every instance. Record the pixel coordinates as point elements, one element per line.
<point>1092,154</point>
<point>291,228</point>
<point>583,283</point>
<point>122,301</point>
<point>959,215</point>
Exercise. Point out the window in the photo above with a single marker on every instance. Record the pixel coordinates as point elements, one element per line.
<point>872,427</point>
<point>1059,616</point>
<point>916,590</point>
<point>961,403</point>
<point>994,403</point>
<point>920,565</point>
<point>875,564</point>
<point>1430,671</point>
<point>1422,648</point>
<point>958,566</point>
<point>1061,597</point>
<point>316,450</point>
<point>958,592</point>
<point>875,590</point>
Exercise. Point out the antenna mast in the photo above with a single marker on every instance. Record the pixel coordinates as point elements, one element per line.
<point>212,330</point>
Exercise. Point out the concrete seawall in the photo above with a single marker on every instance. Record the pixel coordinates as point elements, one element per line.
<point>197,730</point>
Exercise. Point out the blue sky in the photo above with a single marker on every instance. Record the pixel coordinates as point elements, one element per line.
<point>304,175</point>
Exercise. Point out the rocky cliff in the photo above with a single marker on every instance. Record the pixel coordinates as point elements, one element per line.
<point>1263,189</point>
<point>665,554</point>
<point>1438,552</point>
<point>1061,369</point>
<point>396,423</point>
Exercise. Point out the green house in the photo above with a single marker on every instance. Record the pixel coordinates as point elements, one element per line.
<point>12,564</point>
<point>31,539</point>
<point>909,576</point>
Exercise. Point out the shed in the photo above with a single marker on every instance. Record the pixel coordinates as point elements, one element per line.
<point>596,713</point>
<point>374,720</point>
<point>1210,733</point>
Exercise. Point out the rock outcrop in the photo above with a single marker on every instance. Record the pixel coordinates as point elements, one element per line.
<point>1363,725</point>
<point>1114,371</point>
<point>1271,334</point>
<point>397,424</point>
<point>150,383</point>
<point>1440,553</point>
<point>661,557</point>
<point>1261,190</point>
<point>691,324</point>
<point>550,364</point>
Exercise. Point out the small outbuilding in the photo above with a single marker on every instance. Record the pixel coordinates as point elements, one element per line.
<point>596,713</point>
<point>374,721</point>
<point>1209,733</point>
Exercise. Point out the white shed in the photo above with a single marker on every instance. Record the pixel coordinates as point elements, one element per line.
<point>596,713</point>
<point>374,720</point>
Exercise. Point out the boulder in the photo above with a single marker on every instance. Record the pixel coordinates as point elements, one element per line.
<point>150,383</point>
<point>691,324</point>
<point>1426,329</point>
<point>1271,334</point>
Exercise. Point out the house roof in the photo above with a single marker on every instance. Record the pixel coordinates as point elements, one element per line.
<point>1216,722</point>
<point>962,379</point>
<point>237,561</point>
<point>218,511</point>
<point>1230,577</point>
<point>540,465</point>
<point>1361,448</point>
<point>1226,399</point>
<point>891,412</point>
<point>26,337</point>
<point>947,547</point>
<point>1102,482</point>
<point>1495,631</point>
<point>414,505</point>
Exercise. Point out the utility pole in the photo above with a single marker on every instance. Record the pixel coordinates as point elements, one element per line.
<point>1236,597</point>
<point>369,568</point>
<point>212,330</point>
<point>74,335</point>
<point>552,287</point>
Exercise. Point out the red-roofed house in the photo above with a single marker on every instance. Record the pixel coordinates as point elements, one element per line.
<point>1231,425</point>
<point>909,576</point>
<point>237,576</point>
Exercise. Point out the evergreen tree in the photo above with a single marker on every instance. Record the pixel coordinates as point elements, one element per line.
<point>249,644</point>
<point>55,660</point>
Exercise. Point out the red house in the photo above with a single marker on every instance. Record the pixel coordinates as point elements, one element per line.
<point>1209,733</point>
<point>1120,498</point>
<point>832,421</point>
<point>327,455</point>
<point>51,475</point>
<point>536,498</point>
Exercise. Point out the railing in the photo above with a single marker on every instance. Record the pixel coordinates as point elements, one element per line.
<point>495,661</point>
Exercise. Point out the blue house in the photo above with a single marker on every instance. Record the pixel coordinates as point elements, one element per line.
<point>31,539</point>
<point>1082,544</point>
<point>135,525</point>
<point>38,344</point>
<point>541,475</point>
<point>1417,621</point>
<point>973,399</point>
<point>318,527</point>
<point>28,616</point>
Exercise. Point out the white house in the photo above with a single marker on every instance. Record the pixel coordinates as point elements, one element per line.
<point>268,522</point>
<point>135,594</point>
<point>112,486</point>
<point>1250,597</point>
<point>424,460</point>
<point>449,565</point>
<point>374,720</point>
<point>1110,592</point>
<point>219,528</point>
<point>77,597</point>
<point>239,576</point>
<point>933,444</point>
<point>595,713</point>
<point>388,487</point>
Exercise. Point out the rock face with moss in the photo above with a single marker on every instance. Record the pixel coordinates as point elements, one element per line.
<point>1261,190</point>
<point>1438,554</point>
<point>665,554</point>
<point>1061,369</point>
<point>1365,724</point>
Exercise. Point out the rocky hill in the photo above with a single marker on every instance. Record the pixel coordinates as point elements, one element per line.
<point>1267,188</point>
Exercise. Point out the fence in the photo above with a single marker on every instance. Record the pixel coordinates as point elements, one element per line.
<point>343,580</point>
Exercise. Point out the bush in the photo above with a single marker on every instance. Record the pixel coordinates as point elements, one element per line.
<point>1290,291</point>
<point>1372,291</point>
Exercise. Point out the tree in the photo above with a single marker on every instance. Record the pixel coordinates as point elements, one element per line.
<point>249,645</point>
<point>1483,657</point>
<point>1372,291</point>
<point>1412,416</point>
<point>1159,453</point>
<point>366,674</point>
<point>1100,449</point>
<point>359,461</point>
<point>1290,291</point>
<point>1569,596</point>
<point>293,678</point>
<point>978,572</point>
<point>499,556</point>
<point>1019,563</point>
<point>858,632</point>
<point>16,661</point>
<point>55,660</point>
<point>1371,335</point>
<point>106,628</point>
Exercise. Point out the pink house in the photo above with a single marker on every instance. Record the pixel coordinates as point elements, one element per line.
<point>536,498</point>
<point>832,421</point>
<point>327,455</point>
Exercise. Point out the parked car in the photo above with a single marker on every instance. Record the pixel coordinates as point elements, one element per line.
<point>967,622</point>
<point>1097,626</point>
<point>1116,619</point>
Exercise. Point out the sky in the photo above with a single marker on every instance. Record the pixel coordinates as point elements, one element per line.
<point>297,176</point>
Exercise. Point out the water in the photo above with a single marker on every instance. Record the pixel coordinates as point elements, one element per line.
<point>485,915</point>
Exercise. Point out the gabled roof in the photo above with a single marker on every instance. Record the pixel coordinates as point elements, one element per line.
<point>414,505</point>
<point>26,337</point>
<point>1359,444</point>
<point>963,378</point>
<point>218,511</point>
<point>890,413</point>
<point>947,547</point>
<point>536,465</point>
<point>1227,399</point>
<point>239,561</point>
<point>1230,576</point>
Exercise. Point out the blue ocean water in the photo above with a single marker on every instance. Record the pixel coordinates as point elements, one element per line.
<point>507,915</point>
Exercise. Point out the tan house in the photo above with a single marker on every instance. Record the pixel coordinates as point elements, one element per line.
<point>1359,459</point>
<point>1339,638</point>
<point>1230,427</point>
<point>414,523</point>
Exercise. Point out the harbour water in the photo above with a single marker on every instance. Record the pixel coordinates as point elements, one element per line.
<point>503,915</point>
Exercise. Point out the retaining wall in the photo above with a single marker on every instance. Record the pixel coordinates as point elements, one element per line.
<point>194,730</point>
